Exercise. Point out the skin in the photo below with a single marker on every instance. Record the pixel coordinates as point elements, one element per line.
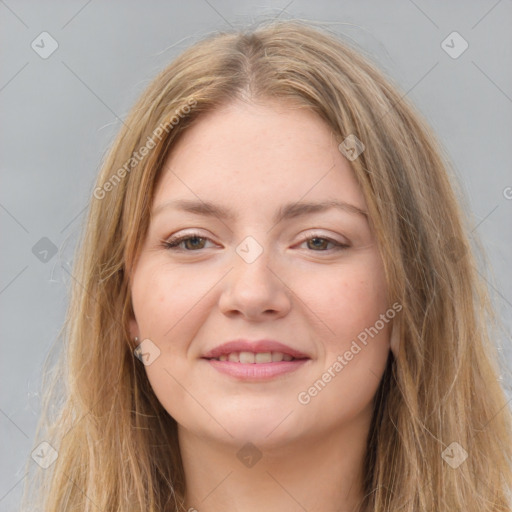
<point>253,158</point>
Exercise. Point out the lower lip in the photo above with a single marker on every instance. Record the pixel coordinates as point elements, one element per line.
<point>256,371</point>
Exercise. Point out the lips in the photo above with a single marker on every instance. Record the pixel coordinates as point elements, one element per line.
<point>254,357</point>
<point>257,352</point>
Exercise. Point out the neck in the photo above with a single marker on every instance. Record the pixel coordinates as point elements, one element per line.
<point>321,474</point>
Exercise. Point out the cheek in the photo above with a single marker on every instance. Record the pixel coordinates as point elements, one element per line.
<point>346,300</point>
<point>162,297</point>
<point>354,341</point>
<point>164,309</point>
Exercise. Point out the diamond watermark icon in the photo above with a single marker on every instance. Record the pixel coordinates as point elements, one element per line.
<point>249,455</point>
<point>44,45</point>
<point>454,45</point>
<point>147,352</point>
<point>454,455</point>
<point>351,147</point>
<point>44,250</point>
<point>249,249</point>
<point>44,454</point>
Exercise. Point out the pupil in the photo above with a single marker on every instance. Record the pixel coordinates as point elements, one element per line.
<point>193,239</point>
<point>318,239</point>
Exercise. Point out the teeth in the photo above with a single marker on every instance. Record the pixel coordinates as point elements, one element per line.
<point>277,356</point>
<point>252,358</point>
<point>246,357</point>
<point>262,357</point>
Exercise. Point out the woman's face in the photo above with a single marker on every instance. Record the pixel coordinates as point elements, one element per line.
<point>310,278</point>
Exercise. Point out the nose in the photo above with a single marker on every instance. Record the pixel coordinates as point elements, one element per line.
<point>255,291</point>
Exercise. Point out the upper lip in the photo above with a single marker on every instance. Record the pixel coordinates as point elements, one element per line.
<point>242,345</point>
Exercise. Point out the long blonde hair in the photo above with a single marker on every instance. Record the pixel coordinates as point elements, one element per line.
<point>117,446</point>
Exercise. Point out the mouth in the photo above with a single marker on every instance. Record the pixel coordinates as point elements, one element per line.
<point>255,357</point>
<point>249,352</point>
<point>255,361</point>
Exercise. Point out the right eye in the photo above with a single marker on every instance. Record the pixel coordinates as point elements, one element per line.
<point>174,243</point>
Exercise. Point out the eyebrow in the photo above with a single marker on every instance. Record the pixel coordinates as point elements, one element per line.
<point>287,211</point>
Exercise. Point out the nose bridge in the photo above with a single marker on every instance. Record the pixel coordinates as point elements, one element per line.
<point>252,287</point>
<point>252,265</point>
<point>250,250</point>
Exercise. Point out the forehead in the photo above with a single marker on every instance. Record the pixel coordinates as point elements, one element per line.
<point>250,155</point>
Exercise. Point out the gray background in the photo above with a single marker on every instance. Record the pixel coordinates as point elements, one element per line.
<point>60,114</point>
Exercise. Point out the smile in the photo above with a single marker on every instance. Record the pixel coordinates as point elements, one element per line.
<point>254,357</point>
<point>256,367</point>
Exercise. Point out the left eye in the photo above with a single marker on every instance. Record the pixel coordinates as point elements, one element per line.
<point>338,246</point>
<point>174,243</point>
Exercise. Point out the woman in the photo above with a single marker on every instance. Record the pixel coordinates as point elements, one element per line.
<point>275,305</point>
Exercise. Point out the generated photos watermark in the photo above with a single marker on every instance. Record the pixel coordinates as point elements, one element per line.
<point>140,154</point>
<point>305,397</point>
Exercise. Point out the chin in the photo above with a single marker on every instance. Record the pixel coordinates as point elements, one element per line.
<point>264,429</point>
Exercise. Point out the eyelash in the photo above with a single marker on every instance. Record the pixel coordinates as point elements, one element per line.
<point>173,243</point>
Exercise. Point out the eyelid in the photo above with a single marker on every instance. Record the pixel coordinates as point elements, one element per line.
<point>174,241</point>
<point>318,234</point>
<point>177,239</point>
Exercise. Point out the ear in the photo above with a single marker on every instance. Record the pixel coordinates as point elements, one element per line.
<point>134,328</point>
<point>395,337</point>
